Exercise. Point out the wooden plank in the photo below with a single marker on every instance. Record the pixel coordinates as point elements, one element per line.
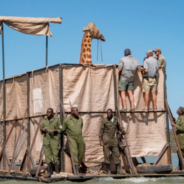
<point>32,145</point>
<point>126,149</point>
<point>161,153</point>
<point>154,169</point>
<point>2,150</point>
<point>16,145</point>
<point>174,132</point>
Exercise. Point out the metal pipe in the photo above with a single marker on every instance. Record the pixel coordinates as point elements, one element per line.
<point>61,116</point>
<point>115,87</point>
<point>167,118</point>
<point>28,112</point>
<point>2,33</point>
<point>46,51</point>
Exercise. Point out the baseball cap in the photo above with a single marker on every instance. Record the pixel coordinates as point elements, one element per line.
<point>157,49</point>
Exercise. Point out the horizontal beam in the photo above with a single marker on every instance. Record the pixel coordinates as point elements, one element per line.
<point>85,112</point>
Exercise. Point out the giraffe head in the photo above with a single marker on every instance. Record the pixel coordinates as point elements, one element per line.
<point>94,31</point>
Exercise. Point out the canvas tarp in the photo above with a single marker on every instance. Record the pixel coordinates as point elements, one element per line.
<point>91,88</point>
<point>28,25</point>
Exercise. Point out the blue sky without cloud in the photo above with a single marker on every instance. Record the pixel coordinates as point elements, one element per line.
<point>138,25</point>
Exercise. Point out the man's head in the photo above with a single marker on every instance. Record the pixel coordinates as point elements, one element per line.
<point>180,111</point>
<point>157,51</point>
<point>149,53</point>
<point>50,113</point>
<point>75,112</point>
<point>109,113</point>
<point>127,52</point>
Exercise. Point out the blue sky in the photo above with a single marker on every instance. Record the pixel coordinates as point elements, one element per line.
<point>138,25</point>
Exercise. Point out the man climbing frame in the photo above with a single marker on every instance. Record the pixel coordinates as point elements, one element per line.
<point>50,128</point>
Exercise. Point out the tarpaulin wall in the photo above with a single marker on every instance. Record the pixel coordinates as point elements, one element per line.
<point>91,88</point>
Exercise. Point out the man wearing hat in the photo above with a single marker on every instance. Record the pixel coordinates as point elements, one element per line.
<point>127,68</point>
<point>150,79</point>
<point>161,59</point>
<point>180,131</point>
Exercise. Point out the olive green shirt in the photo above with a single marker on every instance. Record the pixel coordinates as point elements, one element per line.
<point>109,128</point>
<point>72,126</point>
<point>162,61</point>
<point>53,124</point>
<point>180,131</point>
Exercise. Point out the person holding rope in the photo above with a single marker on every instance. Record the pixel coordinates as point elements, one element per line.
<point>73,125</point>
<point>180,131</point>
<point>50,128</point>
<point>109,140</point>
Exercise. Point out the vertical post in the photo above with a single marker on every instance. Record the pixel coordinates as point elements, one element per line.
<point>167,118</point>
<point>2,33</point>
<point>115,87</point>
<point>28,111</point>
<point>46,63</point>
<point>4,91</point>
<point>61,114</point>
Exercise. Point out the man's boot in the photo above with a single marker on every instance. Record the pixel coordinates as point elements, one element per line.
<point>49,170</point>
<point>108,169</point>
<point>77,169</point>
<point>118,169</point>
<point>57,168</point>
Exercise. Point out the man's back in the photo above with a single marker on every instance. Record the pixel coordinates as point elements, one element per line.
<point>128,65</point>
<point>162,61</point>
<point>152,65</point>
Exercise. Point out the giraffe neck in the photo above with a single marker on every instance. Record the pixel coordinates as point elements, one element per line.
<point>85,55</point>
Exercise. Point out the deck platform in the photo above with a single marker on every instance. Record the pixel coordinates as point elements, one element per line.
<point>80,178</point>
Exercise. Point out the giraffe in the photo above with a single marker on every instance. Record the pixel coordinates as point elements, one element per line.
<point>90,32</point>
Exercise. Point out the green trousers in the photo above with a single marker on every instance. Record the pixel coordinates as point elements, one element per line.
<point>113,148</point>
<point>77,147</point>
<point>51,150</point>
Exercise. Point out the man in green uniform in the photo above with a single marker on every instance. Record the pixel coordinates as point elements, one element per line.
<point>50,128</point>
<point>73,125</point>
<point>180,131</point>
<point>109,140</point>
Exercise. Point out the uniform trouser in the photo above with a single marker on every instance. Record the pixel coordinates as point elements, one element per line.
<point>77,147</point>
<point>115,153</point>
<point>179,160</point>
<point>51,150</point>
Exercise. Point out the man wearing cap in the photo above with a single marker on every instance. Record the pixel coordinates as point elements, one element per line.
<point>180,131</point>
<point>150,79</point>
<point>127,68</point>
<point>161,59</point>
<point>73,125</point>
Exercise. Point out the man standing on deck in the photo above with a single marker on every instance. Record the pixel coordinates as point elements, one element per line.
<point>150,79</point>
<point>73,125</point>
<point>127,68</point>
<point>50,128</point>
<point>109,140</point>
<point>180,131</point>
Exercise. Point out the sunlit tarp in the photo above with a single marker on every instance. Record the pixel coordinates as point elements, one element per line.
<point>27,25</point>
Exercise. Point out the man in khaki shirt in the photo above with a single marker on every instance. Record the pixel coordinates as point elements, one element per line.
<point>161,59</point>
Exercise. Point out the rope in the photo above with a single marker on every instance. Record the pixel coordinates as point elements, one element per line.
<point>97,48</point>
<point>101,51</point>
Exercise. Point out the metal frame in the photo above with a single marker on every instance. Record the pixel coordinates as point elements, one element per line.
<point>61,116</point>
<point>60,67</point>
